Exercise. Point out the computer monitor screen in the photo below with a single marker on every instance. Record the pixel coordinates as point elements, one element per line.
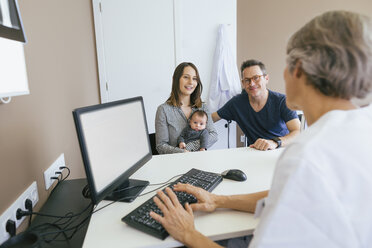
<point>114,144</point>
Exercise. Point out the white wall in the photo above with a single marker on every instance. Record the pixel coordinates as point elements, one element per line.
<point>139,50</point>
<point>135,49</point>
<point>197,25</point>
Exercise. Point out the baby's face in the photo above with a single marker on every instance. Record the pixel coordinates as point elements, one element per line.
<point>198,123</point>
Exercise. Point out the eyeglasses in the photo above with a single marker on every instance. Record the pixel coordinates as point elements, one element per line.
<point>254,79</point>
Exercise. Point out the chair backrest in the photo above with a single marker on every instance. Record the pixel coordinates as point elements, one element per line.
<point>153,144</point>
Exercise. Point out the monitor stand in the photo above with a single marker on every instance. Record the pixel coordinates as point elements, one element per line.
<point>128,191</point>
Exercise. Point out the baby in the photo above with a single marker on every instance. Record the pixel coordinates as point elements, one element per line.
<point>195,131</point>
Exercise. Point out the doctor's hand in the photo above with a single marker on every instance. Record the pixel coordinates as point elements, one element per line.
<point>179,222</point>
<point>206,201</point>
<point>264,144</point>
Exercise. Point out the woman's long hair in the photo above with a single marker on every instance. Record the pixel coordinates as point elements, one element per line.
<point>195,98</point>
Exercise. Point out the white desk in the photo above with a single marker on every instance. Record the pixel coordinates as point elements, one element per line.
<point>107,230</point>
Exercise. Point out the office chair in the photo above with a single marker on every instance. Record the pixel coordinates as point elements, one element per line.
<point>153,144</point>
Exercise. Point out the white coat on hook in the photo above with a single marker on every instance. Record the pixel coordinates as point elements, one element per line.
<point>225,82</point>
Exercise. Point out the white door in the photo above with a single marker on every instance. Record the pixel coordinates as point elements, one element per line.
<point>135,48</point>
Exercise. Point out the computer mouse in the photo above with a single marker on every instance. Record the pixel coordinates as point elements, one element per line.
<point>234,174</point>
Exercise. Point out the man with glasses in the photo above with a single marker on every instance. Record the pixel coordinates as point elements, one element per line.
<point>262,114</point>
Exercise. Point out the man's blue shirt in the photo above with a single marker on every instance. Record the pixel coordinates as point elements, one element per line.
<point>267,123</point>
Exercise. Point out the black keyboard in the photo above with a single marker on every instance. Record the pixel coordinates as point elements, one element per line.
<point>140,217</point>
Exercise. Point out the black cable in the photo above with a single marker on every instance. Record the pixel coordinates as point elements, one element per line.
<point>156,189</point>
<point>59,173</point>
<point>162,185</point>
<point>167,181</point>
<point>68,215</point>
<point>131,187</point>
<point>80,225</point>
<point>25,213</point>
<point>136,186</point>
<point>68,171</point>
<point>63,230</point>
<point>66,220</point>
<point>128,197</point>
<point>29,220</point>
<point>28,206</point>
<point>76,227</point>
<point>123,198</point>
<point>53,239</point>
<point>52,225</point>
<point>63,222</point>
<point>10,227</point>
<point>57,225</point>
<point>56,178</point>
<point>62,179</point>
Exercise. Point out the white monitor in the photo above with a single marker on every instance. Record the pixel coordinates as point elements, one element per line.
<point>114,144</point>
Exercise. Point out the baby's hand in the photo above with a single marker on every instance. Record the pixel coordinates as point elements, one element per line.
<point>182,145</point>
<point>202,149</point>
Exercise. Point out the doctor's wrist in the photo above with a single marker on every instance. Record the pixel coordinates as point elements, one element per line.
<point>220,201</point>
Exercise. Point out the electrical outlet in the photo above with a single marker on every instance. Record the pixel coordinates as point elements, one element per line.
<point>51,171</point>
<point>9,214</point>
<point>30,193</point>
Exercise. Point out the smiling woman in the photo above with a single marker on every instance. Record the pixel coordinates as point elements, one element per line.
<point>172,116</point>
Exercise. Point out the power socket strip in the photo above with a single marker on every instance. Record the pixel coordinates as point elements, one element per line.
<point>10,214</point>
<point>51,171</point>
